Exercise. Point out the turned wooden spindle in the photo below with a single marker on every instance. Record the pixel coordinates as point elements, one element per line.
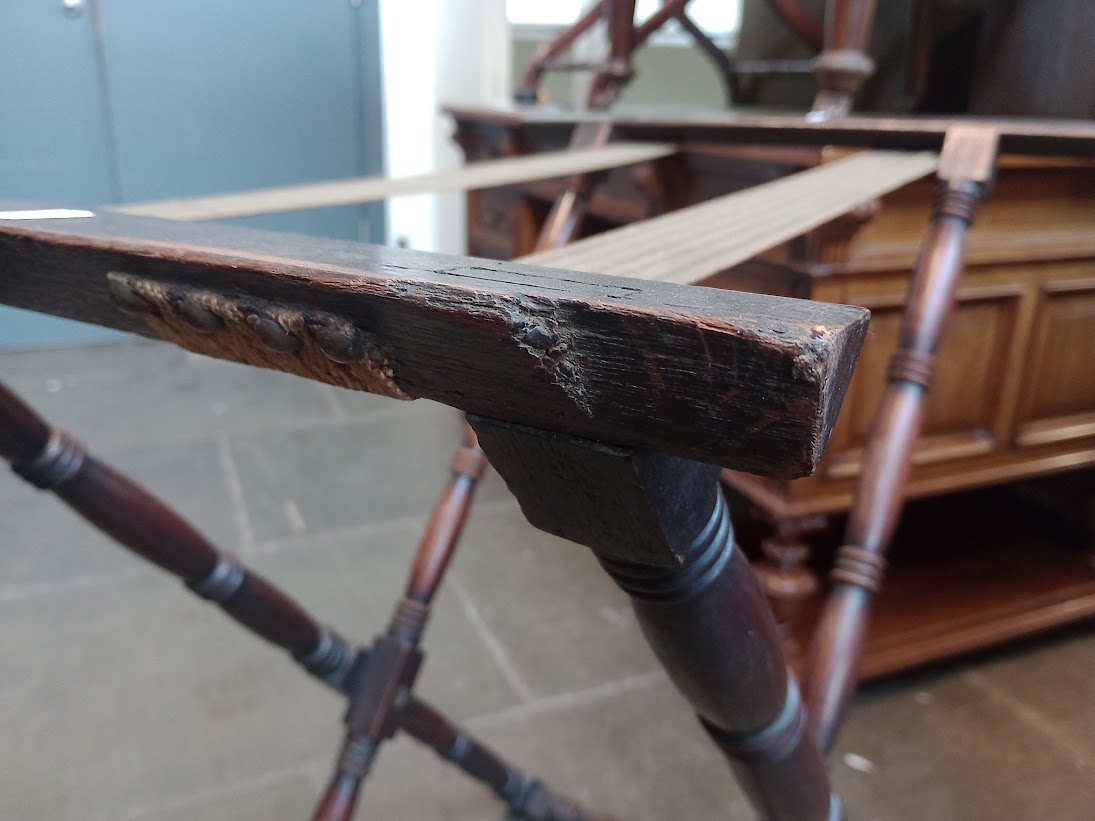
<point>529,90</point>
<point>829,676</point>
<point>380,691</point>
<point>51,459</point>
<point>661,529</point>
<point>785,573</point>
<point>748,381</point>
<point>564,221</point>
<point>610,79</point>
<point>843,64</point>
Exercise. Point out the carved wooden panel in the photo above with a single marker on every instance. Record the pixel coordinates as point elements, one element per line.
<point>962,412</point>
<point>1058,398</point>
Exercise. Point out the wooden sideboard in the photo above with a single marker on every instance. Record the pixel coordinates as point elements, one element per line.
<point>1013,397</point>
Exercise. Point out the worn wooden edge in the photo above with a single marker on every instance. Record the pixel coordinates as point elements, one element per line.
<point>1052,137</point>
<point>741,380</point>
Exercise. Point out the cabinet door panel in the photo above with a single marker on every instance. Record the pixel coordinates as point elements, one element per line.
<point>1058,397</point>
<point>962,409</point>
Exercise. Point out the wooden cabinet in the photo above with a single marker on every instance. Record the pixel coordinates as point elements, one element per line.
<point>1014,390</point>
<point>1013,395</point>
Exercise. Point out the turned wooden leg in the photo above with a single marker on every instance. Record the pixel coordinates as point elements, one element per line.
<point>784,572</point>
<point>529,91</point>
<point>829,676</point>
<point>661,529</point>
<point>843,64</point>
<point>564,221</point>
<point>51,459</point>
<point>380,689</point>
<point>610,79</point>
<point>524,795</point>
<point>380,686</point>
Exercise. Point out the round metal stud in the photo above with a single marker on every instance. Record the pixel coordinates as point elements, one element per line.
<point>125,295</point>
<point>341,343</point>
<point>272,335</point>
<point>197,317</point>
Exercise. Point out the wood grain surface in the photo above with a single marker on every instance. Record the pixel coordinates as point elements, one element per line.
<point>742,380</point>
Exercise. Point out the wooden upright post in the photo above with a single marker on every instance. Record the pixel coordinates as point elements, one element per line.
<point>965,169</point>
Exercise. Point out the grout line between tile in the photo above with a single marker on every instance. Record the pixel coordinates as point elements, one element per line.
<point>26,591</point>
<point>1082,757</point>
<point>315,770</point>
<point>304,541</point>
<point>296,425</point>
<point>235,494</point>
<point>575,698</point>
<point>17,592</point>
<point>492,643</point>
<point>154,810</point>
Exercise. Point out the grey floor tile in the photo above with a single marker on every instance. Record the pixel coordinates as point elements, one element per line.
<point>44,541</point>
<point>353,582</point>
<point>349,403</point>
<point>139,694</point>
<point>290,796</point>
<point>933,746</point>
<point>145,392</point>
<point>1054,676</point>
<point>563,622</point>
<point>364,472</point>
<point>636,755</point>
<point>134,693</point>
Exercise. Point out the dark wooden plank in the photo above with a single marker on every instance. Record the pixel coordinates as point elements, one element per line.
<point>743,380</point>
<point>1070,138</point>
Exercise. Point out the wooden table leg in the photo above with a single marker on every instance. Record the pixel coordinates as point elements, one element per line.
<point>661,529</point>
<point>829,676</point>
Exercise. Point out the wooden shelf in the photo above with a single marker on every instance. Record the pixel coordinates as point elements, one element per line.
<point>967,571</point>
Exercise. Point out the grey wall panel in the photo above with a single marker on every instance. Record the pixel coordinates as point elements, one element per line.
<point>53,144</point>
<point>135,99</point>
<point>212,96</point>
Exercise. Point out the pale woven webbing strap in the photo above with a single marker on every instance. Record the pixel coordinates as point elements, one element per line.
<point>485,174</point>
<point>696,242</point>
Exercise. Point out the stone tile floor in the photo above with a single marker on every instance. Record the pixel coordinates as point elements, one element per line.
<point>122,697</point>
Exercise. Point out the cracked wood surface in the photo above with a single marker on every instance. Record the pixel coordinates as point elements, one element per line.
<point>747,381</point>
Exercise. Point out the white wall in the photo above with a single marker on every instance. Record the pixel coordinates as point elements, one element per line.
<point>435,52</point>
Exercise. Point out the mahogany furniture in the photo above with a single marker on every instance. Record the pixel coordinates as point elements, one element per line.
<point>536,355</point>
<point>840,68</point>
<point>1012,394</point>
